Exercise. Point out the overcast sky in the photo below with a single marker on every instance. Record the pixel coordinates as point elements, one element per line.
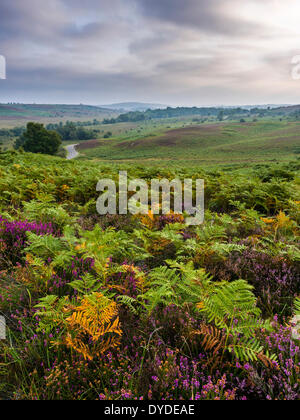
<point>177,52</point>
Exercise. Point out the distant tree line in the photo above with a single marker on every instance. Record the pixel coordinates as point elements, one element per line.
<point>174,112</point>
<point>296,115</point>
<point>68,131</point>
<point>219,113</point>
<point>74,130</point>
<point>12,132</point>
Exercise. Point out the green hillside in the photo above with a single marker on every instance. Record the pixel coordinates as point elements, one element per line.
<point>201,144</point>
<point>18,113</point>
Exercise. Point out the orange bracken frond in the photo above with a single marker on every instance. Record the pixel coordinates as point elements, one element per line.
<point>96,318</point>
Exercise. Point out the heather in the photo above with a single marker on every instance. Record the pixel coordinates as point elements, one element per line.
<point>145,307</point>
<point>14,239</point>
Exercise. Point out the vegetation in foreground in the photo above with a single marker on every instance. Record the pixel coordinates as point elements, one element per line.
<point>145,307</point>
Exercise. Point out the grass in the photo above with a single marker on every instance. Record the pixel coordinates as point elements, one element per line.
<point>182,141</point>
<point>174,142</point>
<point>12,115</point>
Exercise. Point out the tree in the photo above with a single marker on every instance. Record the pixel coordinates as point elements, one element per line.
<point>107,135</point>
<point>221,115</point>
<point>36,139</point>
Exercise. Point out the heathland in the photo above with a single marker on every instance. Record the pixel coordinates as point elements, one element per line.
<point>145,306</point>
<point>172,136</point>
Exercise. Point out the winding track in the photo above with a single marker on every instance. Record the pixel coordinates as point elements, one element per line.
<point>71,151</point>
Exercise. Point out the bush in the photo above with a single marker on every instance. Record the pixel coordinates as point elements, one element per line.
<point>36,139</point>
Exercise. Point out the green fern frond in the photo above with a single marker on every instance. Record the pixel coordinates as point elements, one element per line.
<point>130,303</point>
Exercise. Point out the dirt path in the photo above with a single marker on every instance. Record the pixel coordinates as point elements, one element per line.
<point>71,151</point>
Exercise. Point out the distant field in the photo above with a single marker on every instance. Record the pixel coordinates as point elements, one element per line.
<point>182,142</point>
<point>12,115</point>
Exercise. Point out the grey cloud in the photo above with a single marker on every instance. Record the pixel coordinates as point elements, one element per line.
<point>89,30</point>
<point>211,16</point>
<point>184,51</point>
<point>53,85</point>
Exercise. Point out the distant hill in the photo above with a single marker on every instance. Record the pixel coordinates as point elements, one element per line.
<point>14,111</point>
<point>219,113</point>
<point>289,109</point>
<point>133,106</point>
<point>266,106</point>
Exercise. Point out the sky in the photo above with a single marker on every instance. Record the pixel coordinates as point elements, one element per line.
<point>175,52</point>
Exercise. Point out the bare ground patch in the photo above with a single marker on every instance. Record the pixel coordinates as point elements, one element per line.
<point>171,137</point>
<point>89,144</point>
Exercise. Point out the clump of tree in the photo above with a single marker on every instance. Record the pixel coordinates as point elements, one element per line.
<point>136,116</point>
<point>73,131</point>
<point>107,135</point>
<point>221,115</point>
<point>178,112</point>
<point>12,132</point>
<point>37,139</point>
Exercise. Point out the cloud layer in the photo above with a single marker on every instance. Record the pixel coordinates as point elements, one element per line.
<point>191,52</point>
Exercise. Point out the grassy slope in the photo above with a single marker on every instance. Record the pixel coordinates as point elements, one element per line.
<point>19,114</point>
<point>202,144</point>
<point>180,141</point>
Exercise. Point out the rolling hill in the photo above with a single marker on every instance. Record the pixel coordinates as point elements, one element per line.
<point>206,144</point>
<point>33,112</point>
<point>133,106</point>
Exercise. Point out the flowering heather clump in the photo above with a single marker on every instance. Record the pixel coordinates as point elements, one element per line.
<point>128,281</point>
<point>177,377</point>
<point>119,222</point>
<point>13,238</point>
<point>11,294</point>
<point>283,381</point>
<point>74,271</point>
<point>276,281</point>
<point>170,218</point>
